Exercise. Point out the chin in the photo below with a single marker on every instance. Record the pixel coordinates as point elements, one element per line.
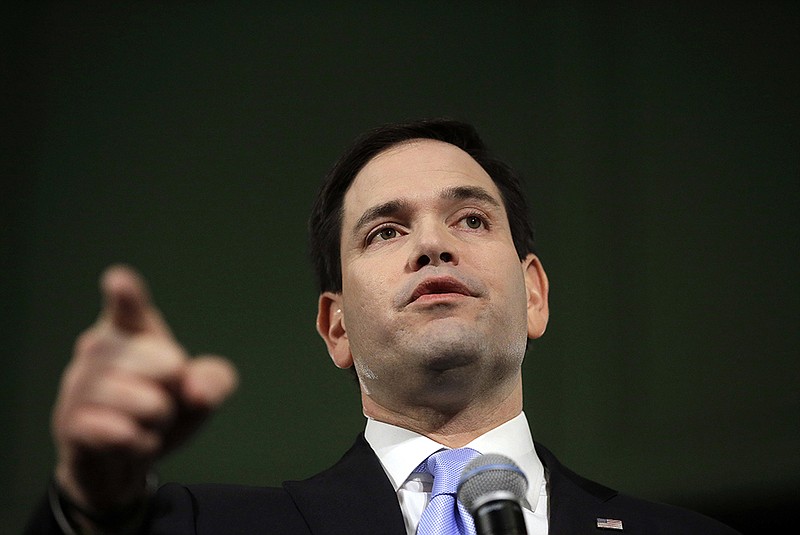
<point>452,350</point>
<point>453,358</point>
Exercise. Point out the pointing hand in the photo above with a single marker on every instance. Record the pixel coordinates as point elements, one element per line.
<point>129,395</point>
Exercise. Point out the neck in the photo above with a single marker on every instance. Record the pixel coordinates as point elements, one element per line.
<point>450,426</point>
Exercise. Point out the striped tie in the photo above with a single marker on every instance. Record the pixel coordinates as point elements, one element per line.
<point>445,515</point>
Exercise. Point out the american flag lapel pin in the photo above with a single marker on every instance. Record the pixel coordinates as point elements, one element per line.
<point>609,523</point>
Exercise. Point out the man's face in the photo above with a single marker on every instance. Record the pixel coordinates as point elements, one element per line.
<point>432,287</point>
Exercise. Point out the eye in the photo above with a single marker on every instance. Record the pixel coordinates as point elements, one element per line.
<point>473,222</point>
<point>383,234</point>
<point>386,234</point>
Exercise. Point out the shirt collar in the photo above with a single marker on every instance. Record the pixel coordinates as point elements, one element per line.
<point>400,451</point>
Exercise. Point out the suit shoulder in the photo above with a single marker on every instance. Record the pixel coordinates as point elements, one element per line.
<point>578,505</point>
<point>659,518</point>
<point>228,509</point>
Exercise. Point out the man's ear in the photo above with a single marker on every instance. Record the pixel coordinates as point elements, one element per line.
<point>331,327</point>
<point>537,287</point>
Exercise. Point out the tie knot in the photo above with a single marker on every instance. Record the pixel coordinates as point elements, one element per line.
<point>446,466</point>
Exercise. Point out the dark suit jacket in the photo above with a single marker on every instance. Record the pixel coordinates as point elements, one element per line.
<point>355,497</point>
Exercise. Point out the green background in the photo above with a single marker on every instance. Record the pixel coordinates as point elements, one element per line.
<point>661,146</point>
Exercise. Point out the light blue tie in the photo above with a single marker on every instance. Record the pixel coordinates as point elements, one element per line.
<point>445,515</point>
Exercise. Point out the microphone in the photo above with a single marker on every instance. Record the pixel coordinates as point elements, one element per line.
<point>491,488</point>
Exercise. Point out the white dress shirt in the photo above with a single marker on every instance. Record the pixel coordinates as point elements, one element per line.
<point>400,451</point>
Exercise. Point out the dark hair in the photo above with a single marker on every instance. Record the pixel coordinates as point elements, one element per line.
<point>325,223</point>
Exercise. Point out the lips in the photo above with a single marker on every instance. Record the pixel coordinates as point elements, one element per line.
<point>439,285</point>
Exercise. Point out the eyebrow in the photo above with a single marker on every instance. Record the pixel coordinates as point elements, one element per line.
<point>380,211</point>
<point>398,206</point>
<point>463,193</point>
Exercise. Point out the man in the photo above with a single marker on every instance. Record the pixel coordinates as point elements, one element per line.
<point>429,288</point>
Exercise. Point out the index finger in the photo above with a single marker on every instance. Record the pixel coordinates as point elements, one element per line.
<point>127,305</point>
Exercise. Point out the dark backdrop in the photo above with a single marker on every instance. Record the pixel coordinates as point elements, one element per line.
<point>660,143</point>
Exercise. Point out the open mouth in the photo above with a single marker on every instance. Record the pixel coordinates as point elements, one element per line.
<point>431,289</point>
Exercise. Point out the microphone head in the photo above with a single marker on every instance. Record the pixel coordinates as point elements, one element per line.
<point>491,477</point>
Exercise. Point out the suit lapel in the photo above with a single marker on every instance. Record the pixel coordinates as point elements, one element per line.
<point>575,503</point>
<point>352,497</point>
<point>355,497</point>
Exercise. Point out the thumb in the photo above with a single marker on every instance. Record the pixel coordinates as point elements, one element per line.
<point>127,305</point>
<point>207,381</point>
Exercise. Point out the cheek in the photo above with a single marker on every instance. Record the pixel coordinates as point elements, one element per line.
<point>515,290</point>
<point>502,265</point>
<point>364,302</point>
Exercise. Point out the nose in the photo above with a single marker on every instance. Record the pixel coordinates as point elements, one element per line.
<point>433,247</point>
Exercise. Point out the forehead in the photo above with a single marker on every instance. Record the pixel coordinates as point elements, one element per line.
<point>412,170</point>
